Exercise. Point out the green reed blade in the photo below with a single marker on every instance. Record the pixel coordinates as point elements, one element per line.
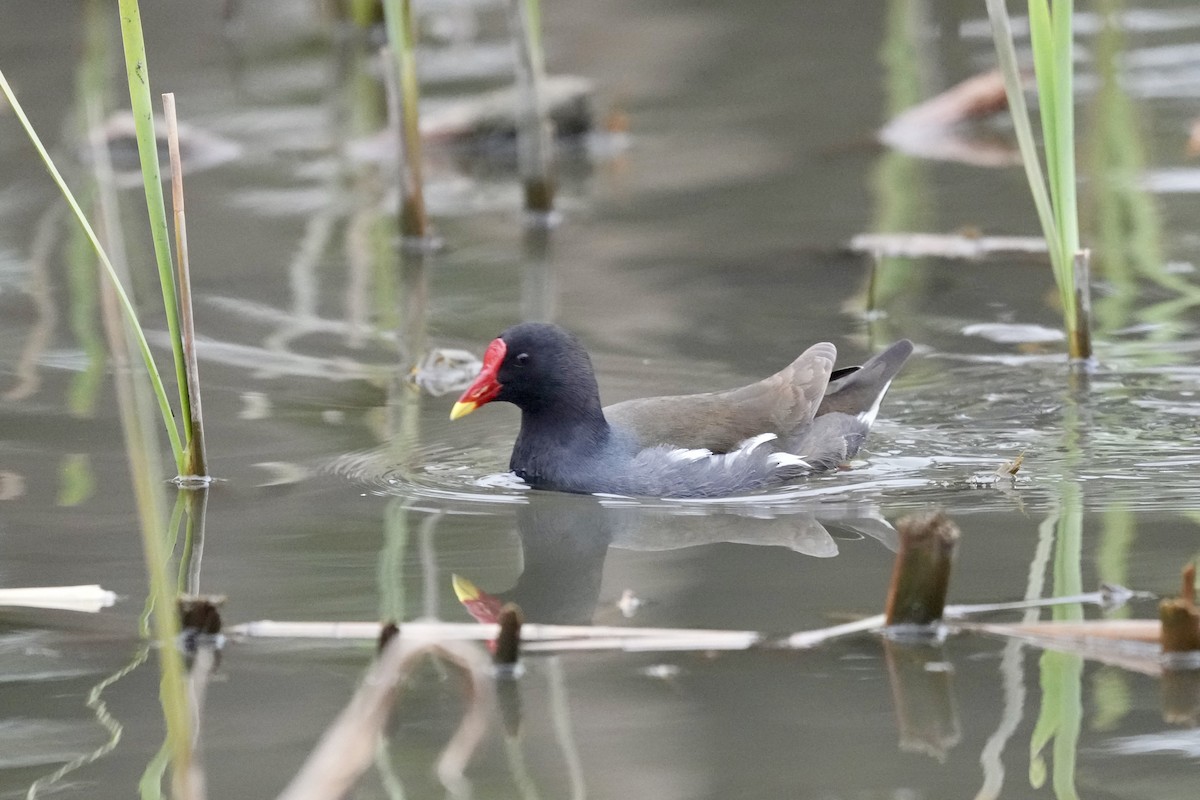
<point>1050,32</point>
<point>135,327</point>
<point>1051,39</point>
<point>1064,113</point>
<point>1042,43</point>
<point>142,104</point>
<point>1007,56</point>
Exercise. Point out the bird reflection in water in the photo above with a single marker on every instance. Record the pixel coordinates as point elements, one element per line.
<point>565,539</point>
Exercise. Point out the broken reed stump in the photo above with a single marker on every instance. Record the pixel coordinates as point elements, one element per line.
<point>1079,344</point>
<point>1180,618</point>
<point>508,641</point>
<point>387,632</point>
<point>200,614</point>
<point>1180,621</point>
<point>921,576</point>
<point>199,626</point>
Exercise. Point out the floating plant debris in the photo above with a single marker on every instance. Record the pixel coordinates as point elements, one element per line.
<point>937,128</point>
<point>198,149</point>
<point>445,370</point>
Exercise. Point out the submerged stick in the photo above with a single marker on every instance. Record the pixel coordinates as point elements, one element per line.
<point>204,664</point>
<point>347,748</point>
<point>197,464</point>
<point>921,575</point>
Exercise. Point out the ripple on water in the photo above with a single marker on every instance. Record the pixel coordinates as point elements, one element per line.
<point>1127,433</point>
<point>455,478</point>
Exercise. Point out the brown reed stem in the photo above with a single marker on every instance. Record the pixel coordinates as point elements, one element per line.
<point>1079,343</point>
<point>535,158</point>
<point>196,464</point>
<point>398,16</point>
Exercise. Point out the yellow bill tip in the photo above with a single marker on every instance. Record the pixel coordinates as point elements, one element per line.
<point>464,590</point>
<point>461,409</point>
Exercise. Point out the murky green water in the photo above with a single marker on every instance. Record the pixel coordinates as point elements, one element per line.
<point>708,253</point>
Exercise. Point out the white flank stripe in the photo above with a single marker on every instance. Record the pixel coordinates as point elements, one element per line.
<point>787,460</point>
<point>746,448</point>
<point>689,455</point>
<point>755,441</point>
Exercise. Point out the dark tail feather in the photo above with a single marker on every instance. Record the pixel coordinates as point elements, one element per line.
<point>856,390</point>
<point>849,408</point>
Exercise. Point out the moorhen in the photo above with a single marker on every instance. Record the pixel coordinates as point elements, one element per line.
<point>803,419</point>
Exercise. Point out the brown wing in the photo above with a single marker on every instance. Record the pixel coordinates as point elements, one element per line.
<point>719,421</point>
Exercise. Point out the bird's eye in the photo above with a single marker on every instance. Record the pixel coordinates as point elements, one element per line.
<point>522,359</point>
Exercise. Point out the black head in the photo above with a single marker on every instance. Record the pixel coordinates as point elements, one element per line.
<point>535,366</point>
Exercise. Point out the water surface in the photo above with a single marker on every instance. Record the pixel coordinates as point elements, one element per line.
<point>707,254</point>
